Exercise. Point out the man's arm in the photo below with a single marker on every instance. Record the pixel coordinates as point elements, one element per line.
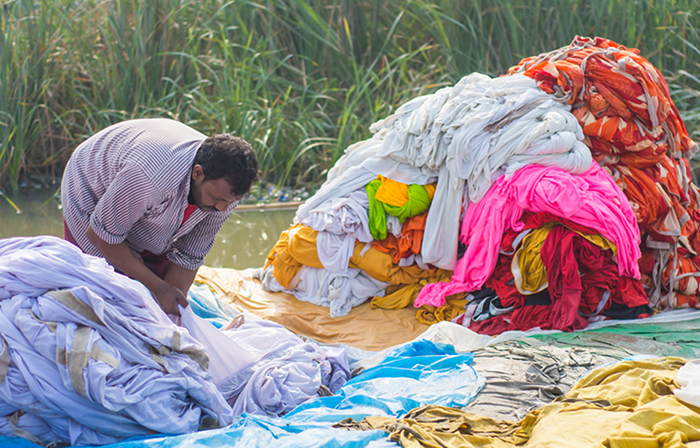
<point>181,278</point>
<point>193,247</point>
<point>167,293</point>
<point>114,215</point>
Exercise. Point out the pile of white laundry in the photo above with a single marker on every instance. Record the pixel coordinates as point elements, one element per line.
<point>88,357</point>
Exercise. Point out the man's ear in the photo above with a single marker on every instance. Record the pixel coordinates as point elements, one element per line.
<point>197,173</point>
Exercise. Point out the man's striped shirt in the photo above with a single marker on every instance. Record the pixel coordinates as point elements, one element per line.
<point>130,182</point>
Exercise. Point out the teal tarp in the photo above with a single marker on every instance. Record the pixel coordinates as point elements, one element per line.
<point>667,339</point>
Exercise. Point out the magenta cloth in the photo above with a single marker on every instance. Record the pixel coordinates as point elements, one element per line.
<point>591,199</point>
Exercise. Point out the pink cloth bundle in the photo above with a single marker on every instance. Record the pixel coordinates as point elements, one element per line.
<point>591,199</point>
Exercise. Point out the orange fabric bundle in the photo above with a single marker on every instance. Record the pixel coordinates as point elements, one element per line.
<point>634,130</point>
<point>685,290</point>
<point>408,242</point>
<point>621,101</point>
<point>297,247</point>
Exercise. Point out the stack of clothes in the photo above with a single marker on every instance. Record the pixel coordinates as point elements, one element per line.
<point>411,180</point>
<point>482,203</point>
<point>87,357</point>
<point>548,249</point>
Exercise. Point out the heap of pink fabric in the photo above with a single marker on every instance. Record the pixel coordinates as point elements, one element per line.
<point>591,199</point>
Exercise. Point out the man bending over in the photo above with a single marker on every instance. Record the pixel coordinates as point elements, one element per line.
<point>149,195</point>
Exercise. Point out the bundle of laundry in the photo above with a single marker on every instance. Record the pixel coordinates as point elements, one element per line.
<point>88,357</point>
<point>544,248</point>
<point>294,266</point>
<point>461,139</point>
<point>634,130</point>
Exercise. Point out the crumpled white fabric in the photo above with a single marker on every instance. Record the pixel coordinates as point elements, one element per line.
<point>288,370</point>
<point>339,291</point>
<point>334,251</point>
<point>228,360</point>
<point>265,369</point>
<point>393,225</point>
<point>28,426</point>
<point>134,372</point>
<point>339,222</point>
<point>340,183</point>
<point>347,215</point>
<point>688,377</point>
<point>462,136</point>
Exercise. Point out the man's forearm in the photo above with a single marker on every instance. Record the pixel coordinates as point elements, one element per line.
<point>168,293</point>
<point>180,277</point>
<point>123,259</point>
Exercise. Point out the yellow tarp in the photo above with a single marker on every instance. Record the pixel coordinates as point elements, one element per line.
<point>364,328</point>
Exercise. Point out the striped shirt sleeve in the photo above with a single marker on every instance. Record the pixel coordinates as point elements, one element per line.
<point>128,198</point>
<point>190,249</point>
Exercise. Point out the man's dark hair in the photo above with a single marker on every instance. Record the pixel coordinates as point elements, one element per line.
<point>230,157</point>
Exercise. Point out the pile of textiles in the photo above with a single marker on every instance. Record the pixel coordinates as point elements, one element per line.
<point>629,403</point>
<point>386,220</point>
<point>88,357</point>
<point>546,249</point>
<point>483,202</point>
<point>635,132</point>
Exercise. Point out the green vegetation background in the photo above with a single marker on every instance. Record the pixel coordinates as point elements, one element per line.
<point>300,79</point>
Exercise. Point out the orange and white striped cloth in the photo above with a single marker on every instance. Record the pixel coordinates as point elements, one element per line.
<point>634,130</point>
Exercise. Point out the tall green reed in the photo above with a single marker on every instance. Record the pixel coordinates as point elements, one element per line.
<point>31,65</point>
<point>300,79</point>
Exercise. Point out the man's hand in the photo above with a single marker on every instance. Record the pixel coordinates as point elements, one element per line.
<point>168,293</point>
<point>168,297</point>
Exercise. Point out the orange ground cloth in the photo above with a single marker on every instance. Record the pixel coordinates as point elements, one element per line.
<point>364,328</point>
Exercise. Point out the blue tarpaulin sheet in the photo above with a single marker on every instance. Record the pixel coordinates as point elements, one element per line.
<point>416,374</point>
<point>265,432</point>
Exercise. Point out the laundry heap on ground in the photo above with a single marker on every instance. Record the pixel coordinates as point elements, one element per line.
<point>87,357</point>
<point>553,196</point>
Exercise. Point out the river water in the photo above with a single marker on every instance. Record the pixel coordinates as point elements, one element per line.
<point>243,242</point>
